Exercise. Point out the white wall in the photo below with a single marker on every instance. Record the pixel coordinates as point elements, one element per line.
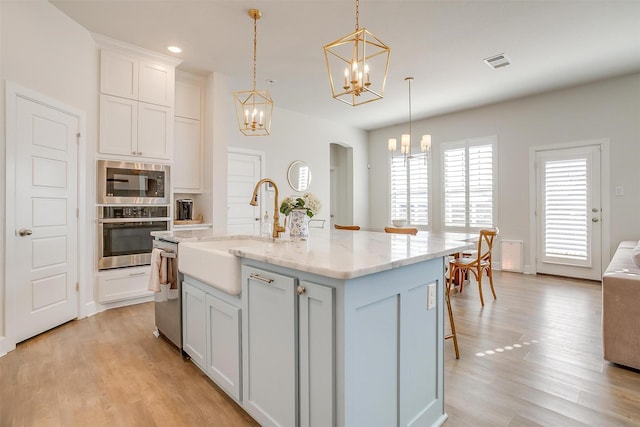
<point>294,136</point>
<point>45,51</point>
<point>606,109</point>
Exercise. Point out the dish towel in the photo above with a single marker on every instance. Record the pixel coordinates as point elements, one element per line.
<point>158,270</point>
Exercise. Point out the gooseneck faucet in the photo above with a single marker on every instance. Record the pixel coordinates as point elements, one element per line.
<point>277,228</point>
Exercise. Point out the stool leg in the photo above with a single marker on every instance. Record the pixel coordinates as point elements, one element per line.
<point>479,277</point>
<point>453,326</point>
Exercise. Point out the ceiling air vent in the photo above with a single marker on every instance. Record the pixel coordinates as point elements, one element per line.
<point>497,61</point>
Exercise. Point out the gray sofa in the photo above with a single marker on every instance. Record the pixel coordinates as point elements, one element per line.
<point>621,308</point>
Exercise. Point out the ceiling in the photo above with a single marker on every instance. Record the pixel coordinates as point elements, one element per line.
<point>442,44</point>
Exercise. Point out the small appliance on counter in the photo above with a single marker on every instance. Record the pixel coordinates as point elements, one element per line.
<point>184,209</point>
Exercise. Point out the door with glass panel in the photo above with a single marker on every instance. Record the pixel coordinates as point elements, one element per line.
<point>568,212</point>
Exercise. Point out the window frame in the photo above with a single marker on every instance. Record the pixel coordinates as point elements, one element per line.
<point>447,146</point>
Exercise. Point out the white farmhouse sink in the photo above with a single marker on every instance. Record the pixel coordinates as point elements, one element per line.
<point>210,261</point>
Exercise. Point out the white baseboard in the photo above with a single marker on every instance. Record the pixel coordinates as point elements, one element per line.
<point>6,346</point>
<point>90,309</point>
<point>123,303</point>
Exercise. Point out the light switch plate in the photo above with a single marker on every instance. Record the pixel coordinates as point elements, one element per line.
<point>619,190</point>
<point>431,296</point>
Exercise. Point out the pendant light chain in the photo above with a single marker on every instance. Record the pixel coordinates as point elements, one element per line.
<point>357,14</point>
<point>255,48</point>
<point>409,79</point>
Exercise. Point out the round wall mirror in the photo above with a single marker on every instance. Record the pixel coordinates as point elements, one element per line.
<point>299,175</point>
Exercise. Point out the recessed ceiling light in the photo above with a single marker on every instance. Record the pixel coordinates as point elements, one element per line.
<point>174,49</point>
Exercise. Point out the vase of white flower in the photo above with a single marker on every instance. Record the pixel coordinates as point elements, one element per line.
<point>298,211</point>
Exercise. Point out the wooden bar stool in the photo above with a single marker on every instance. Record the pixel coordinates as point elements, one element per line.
<point>452,335</point>
<point>477,264</point>
<point>346,227</point>
<point>401,230</point>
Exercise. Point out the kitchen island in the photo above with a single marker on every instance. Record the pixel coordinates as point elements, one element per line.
<point>344,329</point>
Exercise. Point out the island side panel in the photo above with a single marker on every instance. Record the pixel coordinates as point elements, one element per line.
<point>393,352</point>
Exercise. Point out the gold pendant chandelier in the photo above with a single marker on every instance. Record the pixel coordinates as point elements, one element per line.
<point>405,138</point>
<point>357,65</point>
<point>254,107</point>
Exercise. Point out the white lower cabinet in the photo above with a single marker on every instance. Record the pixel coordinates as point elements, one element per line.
<point>123,283</point>
<point>194,324</point>
<point>288,350</point>
<point>316,350</point>
<point>223,345</point>
<point>211,335</point>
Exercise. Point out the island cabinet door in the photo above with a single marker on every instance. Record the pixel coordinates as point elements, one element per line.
<point>269,344</point>
<point>316,331</point>
<point>223,345</point>
<point>194,331</point>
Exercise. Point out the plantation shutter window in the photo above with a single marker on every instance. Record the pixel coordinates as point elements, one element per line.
<point>410,190</point>
<point>468,171</point>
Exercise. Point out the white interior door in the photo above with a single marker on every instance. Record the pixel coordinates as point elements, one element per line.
<point>46,244</point>
<point>243,172</point>
<point>569,213</point>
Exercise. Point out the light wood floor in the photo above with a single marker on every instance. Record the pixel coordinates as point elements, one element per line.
<point>110,370</point>
<point>534,357</point>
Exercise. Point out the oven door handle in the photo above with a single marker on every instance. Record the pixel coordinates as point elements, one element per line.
<point>121,220</point>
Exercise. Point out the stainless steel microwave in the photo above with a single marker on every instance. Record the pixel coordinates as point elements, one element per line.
<point>131,183</point>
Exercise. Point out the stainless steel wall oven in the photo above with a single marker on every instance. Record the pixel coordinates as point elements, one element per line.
<point>130,183</point>
<point>124,238</point>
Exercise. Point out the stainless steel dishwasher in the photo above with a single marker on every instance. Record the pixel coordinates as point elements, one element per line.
<point>168,305</point>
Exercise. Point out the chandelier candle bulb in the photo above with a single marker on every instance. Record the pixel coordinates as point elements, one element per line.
<point>405,140</point>
<point>425,143</point>
<point>392,144</point>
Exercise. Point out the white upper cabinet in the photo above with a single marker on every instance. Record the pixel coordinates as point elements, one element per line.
<point>119,74</point>
<point>188,98</point>
<point>136,78</point>
<point>156,83</point>
<point>188,145</point>
<point>118,125</point>
<point>133,128</point>
<point>187,157</point>
<point>155,131</point>
<point>137,101</point>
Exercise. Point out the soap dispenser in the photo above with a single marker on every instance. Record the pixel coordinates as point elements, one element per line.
<point>267,225</point>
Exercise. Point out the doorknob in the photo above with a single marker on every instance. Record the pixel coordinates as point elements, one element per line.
<point>24,232</point>
<point>594,219</point>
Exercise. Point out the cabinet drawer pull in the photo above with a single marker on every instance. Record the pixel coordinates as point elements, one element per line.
<point>259,277</point>
<point>138,274</point>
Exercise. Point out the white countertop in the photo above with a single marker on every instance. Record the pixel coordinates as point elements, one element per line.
<point>340,254</point>
<point>178,236</point>
<point>343,254</point>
